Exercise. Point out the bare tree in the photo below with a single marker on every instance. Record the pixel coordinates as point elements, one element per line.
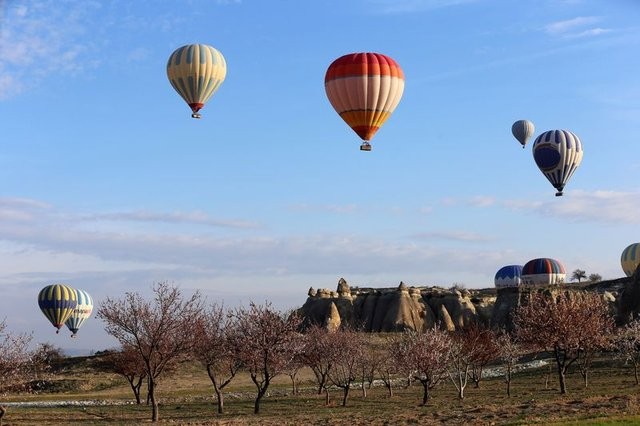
<point>509,352</point>
<point>346,347</point>
<point>158,329</point>
<point>266,340</point>
<point>594,278</point>
<point>315,354</point>
<point>568,326</point>
<point>428,354</point>
<point>462,351</point>
<point>388,366</point>
<point>579,275</point>
<point>14,359</point>
<point>371,357</point>
<point>216,350</point>
<point>484,349</point>
<point>127,363</point>
<point>627,345</point>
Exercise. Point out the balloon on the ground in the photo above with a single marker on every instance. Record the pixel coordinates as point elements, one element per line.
<point>508,276</point>
<point>558,154</point>
<point>81,312</point>
<point>630,259</point>
<point>543,271</point>
<point>196,71</point>
<point>522,130</point>
<point>364,89</point>
<point>57,302</point>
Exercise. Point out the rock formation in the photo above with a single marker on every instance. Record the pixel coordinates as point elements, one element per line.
<point>419,308</point>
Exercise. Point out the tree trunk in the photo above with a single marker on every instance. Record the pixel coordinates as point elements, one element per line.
<point>389,388</point>
<point>345,395</point>
<point>327,399</point>
<point>154,404</point>
<point>136,390</point>
<point>635,372</point>
<point>425,395</point>
<point>562,369</point>
<point>508,380</point>
<point>220,399</point>
<point>293,384</point>
<point>364,390</point>
<point>3,411</point>
<point>585,375</point>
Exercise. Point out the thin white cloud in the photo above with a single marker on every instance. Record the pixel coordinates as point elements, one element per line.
<point>452,236</point>
<point>326,208</point>
<point>561,27</point>
<point>578,27</point>
<point>411,6</point>
<point>195,217</point>
<point>481,201</point>
<point>42,37</point>
<point>599,206</point>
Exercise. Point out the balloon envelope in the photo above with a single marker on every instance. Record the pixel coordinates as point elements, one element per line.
<point>57,302</point>
<point>364,89</point>
<point>508,276</point>
<point>630,259</point>
<point>81,312</point>
<point>522,130</point>
<point>196,71</point>
<point>558,153</point>
<point>543,271</point>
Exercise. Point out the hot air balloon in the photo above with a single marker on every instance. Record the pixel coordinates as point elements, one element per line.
<point>522,130</point>
<point>364,88</point>
<point>508,276</point>
<point>196,71</point>
<point>543,271</point>
<point>80,313</point>
<point>558,154</point>
<point>57,302</point>
<point>630,259</point>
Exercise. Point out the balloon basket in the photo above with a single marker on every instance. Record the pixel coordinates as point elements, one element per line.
<point>366,146</point>
<point>196,115</point>
<point>559,194</point>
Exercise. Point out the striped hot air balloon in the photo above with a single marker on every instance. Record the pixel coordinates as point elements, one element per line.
<point>558,154</point>
<point>508,276</point>
<point>364,88</point>
<point>57,302</point>
<point>630,259</point>
<point>81,312</point>
<point>522,130</point>
<point>543,271</point>
<point>196,71</point>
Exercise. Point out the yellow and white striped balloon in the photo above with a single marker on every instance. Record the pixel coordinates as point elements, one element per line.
<point>196,71</point>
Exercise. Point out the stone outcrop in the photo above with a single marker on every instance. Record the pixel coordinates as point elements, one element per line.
<point>418,308</point>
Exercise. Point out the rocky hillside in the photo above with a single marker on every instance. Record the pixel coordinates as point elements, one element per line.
<point>418,308</point>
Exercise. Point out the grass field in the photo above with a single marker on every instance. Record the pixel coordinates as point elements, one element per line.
<point>186,398</point>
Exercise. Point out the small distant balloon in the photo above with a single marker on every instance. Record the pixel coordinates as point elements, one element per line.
<point>57,302</point>
<point>522,130</point>
<point>630,259</point>
<point>543,271</point>
<point>558,153</point>
<point>508,276</point>
<point>80,313</point>
<point>196,71</point>
<point>364,89</point>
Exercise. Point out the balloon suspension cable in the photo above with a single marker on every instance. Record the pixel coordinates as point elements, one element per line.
<point>196,115</point>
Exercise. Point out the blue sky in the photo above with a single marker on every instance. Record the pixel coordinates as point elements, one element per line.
<point>109,185</point>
